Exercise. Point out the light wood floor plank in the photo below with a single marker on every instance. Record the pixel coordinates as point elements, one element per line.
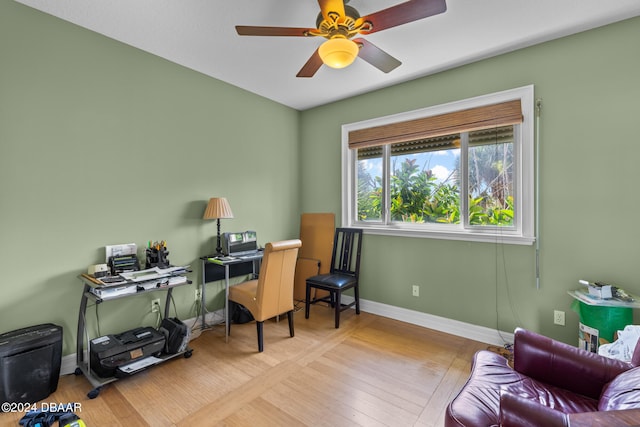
<point>260,413</point>
<point>372,371</point>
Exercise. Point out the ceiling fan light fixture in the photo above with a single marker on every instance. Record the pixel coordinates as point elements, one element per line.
<point>338,52</point>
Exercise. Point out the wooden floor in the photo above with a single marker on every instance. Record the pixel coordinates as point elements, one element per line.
<point>373,371</point>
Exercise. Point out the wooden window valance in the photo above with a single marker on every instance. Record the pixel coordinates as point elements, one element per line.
<point>487,116</point>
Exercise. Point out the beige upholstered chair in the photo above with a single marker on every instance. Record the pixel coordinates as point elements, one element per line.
<point>271,293</point>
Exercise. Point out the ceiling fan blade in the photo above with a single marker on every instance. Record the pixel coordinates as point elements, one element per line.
<point>246,30</point>
<point>327,6</point>
<point>376,56</point>
<point>313,64</point>
<point>403,13</point>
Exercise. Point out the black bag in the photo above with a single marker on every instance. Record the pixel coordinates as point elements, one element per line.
<point>239,313</point>
<point>176,335</point>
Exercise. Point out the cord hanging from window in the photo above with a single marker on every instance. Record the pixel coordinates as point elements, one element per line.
<point>537,195</point>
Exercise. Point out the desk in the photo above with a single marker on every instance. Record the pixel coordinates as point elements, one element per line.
<point>166,283</point>
<point>218,269</point>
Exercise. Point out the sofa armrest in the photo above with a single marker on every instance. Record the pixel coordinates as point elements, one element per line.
<point>517,411</point>
<point>563,365</point>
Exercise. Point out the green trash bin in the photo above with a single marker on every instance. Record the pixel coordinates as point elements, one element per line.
<point>598,324</point>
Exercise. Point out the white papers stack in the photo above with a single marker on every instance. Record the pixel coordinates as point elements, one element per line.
<point>113,291</point>
<point>153,273</point>
<point>139,364</point>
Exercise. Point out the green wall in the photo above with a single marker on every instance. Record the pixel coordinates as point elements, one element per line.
<point>589,152</point>
<point>101,143</point>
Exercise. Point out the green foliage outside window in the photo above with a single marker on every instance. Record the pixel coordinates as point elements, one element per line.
<point>417,196</point>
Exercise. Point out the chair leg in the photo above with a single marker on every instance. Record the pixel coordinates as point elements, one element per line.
<point>228,320</point>
<point>307,302</point>
<point>338,307</point>
<point>356,293</point>
<point>290,317</point>
<point>259,326</point>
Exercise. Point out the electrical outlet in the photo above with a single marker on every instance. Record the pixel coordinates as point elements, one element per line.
<point>558,317</point>
<point>198,294</point>
<point>155,305</point>
<point>416,290</point>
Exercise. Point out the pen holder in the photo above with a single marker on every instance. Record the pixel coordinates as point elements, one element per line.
<point>157,257</point>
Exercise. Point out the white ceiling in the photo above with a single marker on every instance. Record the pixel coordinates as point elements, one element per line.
<point>200,34</point>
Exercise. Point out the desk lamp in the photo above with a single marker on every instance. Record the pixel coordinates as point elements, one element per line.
<point>217,208</point>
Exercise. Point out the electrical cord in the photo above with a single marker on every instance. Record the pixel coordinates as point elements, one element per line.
<point>97,319</point>
<point>499,254</point>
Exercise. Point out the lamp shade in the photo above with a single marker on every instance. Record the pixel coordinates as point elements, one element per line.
<point>218,207</point>
<point>338,52</point>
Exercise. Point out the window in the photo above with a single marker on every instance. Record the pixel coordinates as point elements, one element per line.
<point>461,171</point>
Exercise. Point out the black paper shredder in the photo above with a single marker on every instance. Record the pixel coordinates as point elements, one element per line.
<point>30,363</point>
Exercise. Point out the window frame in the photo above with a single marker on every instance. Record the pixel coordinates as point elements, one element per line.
<point>524,225</point>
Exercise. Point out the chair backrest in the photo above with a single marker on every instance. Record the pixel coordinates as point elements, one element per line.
<point>314,257</point>
<point>347,245</point>
<point>316,233</point>
<point>275,283</point>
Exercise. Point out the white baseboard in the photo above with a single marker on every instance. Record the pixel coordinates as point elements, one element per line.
<point>442,324</point>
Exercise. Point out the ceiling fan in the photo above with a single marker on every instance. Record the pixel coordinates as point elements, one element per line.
<point>340,23</point>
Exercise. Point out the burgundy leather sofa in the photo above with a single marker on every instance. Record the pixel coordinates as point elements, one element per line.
<point>550,384</point>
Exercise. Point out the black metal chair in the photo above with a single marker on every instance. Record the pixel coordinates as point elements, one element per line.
<point>344,273</point>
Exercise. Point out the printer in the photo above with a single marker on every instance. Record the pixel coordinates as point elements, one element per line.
<point>110,352</point>
<point>240,243</point>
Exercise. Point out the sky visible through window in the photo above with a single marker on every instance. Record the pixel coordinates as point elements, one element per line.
<point>441,163</point>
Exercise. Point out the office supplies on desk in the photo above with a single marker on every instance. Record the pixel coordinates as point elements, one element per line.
<point>157,254</point>
<point>239,243</point>
<point>113,291</point>
<point>120,250</point>
<point>122,257</point>
<point>120,264</point>
<point>137,281</point>
<point>112,280</point>
<point>161,282</point>
<point>154,273</point>
<point>98,270</point>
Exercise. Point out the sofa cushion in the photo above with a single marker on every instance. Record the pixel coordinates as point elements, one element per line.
<point>478,403</point>
<point>622,393</point>
<point>553,397</point>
